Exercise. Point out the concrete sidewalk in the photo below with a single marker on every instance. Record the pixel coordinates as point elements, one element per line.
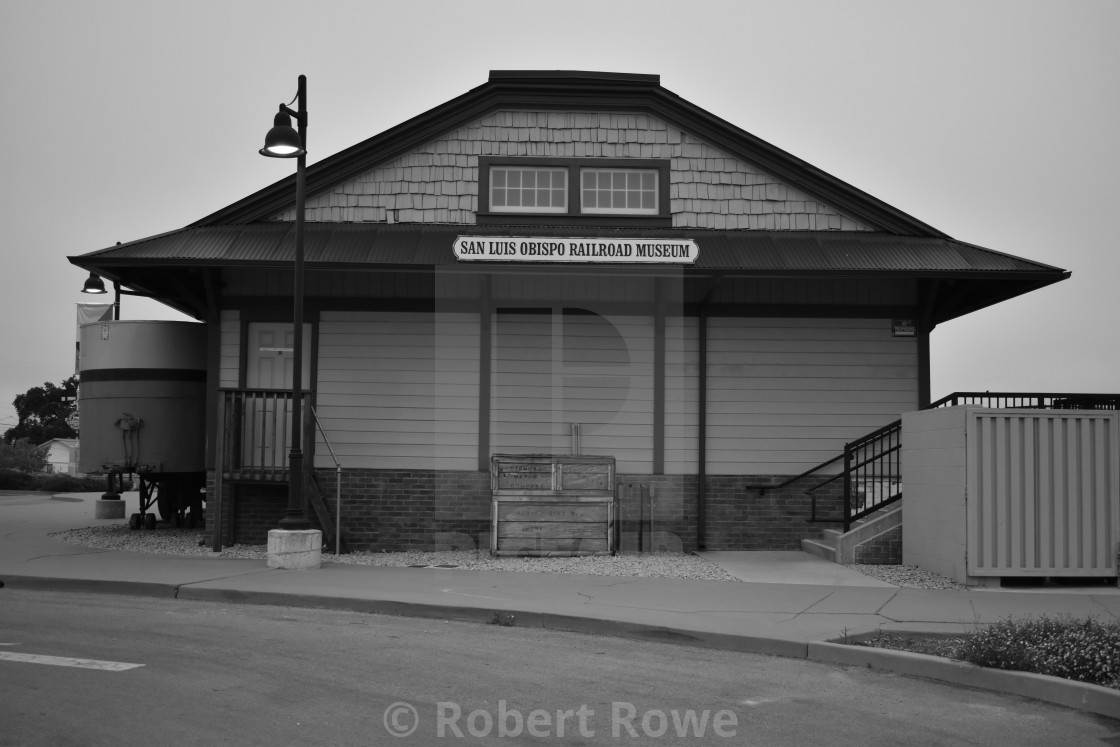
<point>789,604</point>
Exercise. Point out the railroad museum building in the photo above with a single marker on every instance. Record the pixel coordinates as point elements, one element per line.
<point>555,265</point>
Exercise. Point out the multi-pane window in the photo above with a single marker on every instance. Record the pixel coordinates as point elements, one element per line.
<point>518,189</point>
<point>619,191</point>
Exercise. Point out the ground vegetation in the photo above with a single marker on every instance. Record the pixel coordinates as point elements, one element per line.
<point>1081,649</point>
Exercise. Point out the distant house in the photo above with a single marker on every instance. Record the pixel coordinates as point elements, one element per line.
<point>561,262</point>
<point>62,455</point>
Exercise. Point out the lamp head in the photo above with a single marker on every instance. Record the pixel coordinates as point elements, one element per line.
<point>282,141</point>
<point>94,284</point>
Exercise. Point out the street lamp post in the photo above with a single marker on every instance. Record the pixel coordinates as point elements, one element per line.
<point>283,142</point>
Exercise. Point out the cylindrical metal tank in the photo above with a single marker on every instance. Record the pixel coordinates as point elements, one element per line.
<point>142,396</point>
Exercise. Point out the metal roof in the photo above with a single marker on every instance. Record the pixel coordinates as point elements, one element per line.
<point>427,245</point>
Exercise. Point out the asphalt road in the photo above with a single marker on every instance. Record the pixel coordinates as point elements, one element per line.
<point>247,675</point>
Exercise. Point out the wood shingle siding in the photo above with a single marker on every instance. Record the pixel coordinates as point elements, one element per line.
<point>438,182</point>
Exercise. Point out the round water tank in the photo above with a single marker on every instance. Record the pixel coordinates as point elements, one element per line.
<point>142,396</point>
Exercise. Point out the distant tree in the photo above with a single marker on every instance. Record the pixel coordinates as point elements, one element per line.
<point>24,456</point>
<point>44,412</point>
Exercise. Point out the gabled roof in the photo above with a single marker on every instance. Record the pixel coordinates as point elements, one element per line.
<point>574,90</point>
<point>69,443</point>
<point>178,267</point>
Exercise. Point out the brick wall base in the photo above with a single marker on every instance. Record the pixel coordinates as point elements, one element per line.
<point>886,549</point>
<point>396,510</point>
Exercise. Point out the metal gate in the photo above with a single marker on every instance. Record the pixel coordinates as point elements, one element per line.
<point>1043,493</point>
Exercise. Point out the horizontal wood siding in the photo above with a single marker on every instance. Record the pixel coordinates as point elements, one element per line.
<point>229,356</point>
<point>552,369</point>
<point>786,394</point>
<point>556,289</point>
<point>399,390</point>
<point>682,395</point>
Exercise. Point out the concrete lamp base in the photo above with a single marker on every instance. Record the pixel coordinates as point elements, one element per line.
<point>295,549</point>
<point>108,509</point>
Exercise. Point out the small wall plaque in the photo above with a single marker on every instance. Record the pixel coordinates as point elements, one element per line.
<point>904,328</point>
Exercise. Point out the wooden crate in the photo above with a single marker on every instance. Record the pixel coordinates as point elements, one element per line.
<point>552,505</point>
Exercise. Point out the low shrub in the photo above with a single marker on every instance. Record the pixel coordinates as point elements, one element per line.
<point>11,479</point>
<point>49,482</point>
<point>69,484</point>
<point>1085,650</point>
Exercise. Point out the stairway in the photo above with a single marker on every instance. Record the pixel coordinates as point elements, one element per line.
<point>871,539</point>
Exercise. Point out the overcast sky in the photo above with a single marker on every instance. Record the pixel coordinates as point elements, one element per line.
<point>996,122</point>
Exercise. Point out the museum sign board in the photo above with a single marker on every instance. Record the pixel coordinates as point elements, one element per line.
<point>582,249</point>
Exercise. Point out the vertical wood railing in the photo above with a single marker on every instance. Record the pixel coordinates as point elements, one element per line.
<point>252,442</point>
<point>256,433</point>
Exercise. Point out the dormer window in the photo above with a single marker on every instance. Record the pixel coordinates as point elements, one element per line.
<point>528,189</point>
<point>618,191</point>
<point>591,190</point>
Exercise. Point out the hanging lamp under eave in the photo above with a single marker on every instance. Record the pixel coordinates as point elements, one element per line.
<point>94,284</point>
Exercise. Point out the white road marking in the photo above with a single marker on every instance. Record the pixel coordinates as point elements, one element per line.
<point>758,701</point>
<point>65,661</point>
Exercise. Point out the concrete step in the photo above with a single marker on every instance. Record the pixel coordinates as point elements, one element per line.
<point>820,548</point>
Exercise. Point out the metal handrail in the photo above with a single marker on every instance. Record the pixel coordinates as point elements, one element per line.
<point>1035,400</point>
<point>337,482</point>
<point>884,446</point>
<point>806,473</point>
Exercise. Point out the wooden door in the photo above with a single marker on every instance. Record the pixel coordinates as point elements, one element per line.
<point>266,435</point>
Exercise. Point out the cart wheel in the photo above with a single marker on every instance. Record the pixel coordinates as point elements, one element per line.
<point>134,521</point>
<point>149,521</point>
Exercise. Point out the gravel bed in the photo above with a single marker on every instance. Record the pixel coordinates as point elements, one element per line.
<point>196,542</point>
<point>170,541</point>
<point>907,577</point>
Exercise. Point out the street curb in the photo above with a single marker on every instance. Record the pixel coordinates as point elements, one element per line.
<point>1080,696</point>
<point>520,619</point>
<point>660,634</point>
<point>92,586</point>
<point>1103,701</point>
